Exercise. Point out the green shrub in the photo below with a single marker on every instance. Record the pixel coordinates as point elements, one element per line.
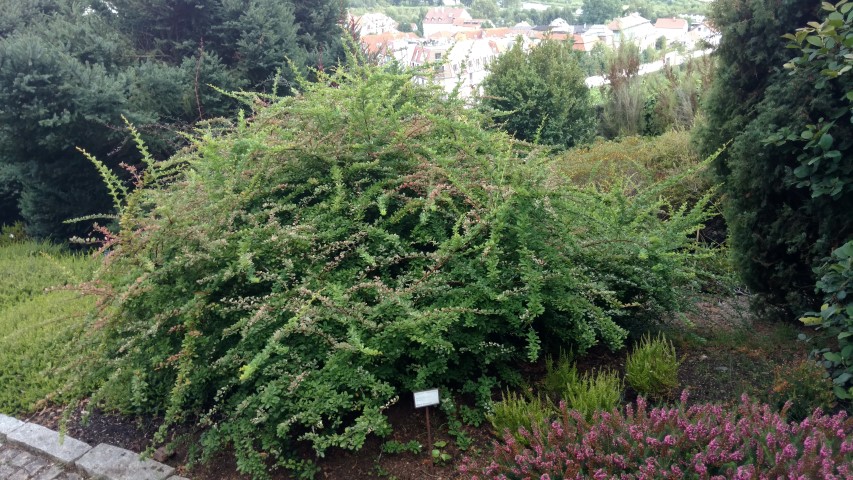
<point>595,393</point>
<point>652,367</point>
<point>39,328</point>
<point>559,377</point>
<point>13,233</point>
<point>836,318</point>
<point>311,264</point>
<point>515,411</point>
<point>396,446</point>
<point>644,161</point>
<point>807,386</point>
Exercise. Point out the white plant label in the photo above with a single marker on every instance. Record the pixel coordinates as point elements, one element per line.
<point>426,398</point>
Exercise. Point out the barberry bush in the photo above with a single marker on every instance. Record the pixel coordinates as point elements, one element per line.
<point>746,441</point>
<point>326,253</point>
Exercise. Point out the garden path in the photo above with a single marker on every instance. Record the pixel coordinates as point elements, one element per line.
<point>19,464</point>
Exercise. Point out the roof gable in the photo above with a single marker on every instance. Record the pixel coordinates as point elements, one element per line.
<point>671,23</point>
<point>444,15</point>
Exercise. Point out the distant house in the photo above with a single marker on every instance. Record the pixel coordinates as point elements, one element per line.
<point>388,44</point>
<point>634,28</point>
<point>586,37</point>
<point>674,29</point>
<point>560,26</point>
<point>449,20</point>
<point>374,23</point>
<point>702,35</point>
<point>463,63</point>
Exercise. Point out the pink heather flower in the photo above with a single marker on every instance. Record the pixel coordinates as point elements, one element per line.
<point>545,476</point>
<point>826,467</point>
<point>847,446</point>
<point>668,440</point>
<point>810,443</point>
<point>600,474</point>
<point>685,395</point>
<point>700,468</point>
<point>790,450</point>
<point>745,472</point>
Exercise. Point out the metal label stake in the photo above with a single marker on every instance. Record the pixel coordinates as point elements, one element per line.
<point>424,399</point>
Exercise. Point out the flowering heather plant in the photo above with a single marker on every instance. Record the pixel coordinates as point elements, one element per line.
<point>749,441</point>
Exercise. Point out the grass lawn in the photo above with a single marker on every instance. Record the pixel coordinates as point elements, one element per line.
<point>39,321</point>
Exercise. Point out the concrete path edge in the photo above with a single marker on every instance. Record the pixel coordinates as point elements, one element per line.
<point>103,462</point>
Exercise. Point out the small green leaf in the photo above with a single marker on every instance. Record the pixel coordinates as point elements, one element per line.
<point>815,40</point>
<point>832,357</point>
<point>825,141</point>
<point>841,393</point>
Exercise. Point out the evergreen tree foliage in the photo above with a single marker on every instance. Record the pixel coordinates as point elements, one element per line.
<point>57,94</point>
<point>310,265</point>
<point>601,11</point>
<point>542,93</point>
<point>779,230</point>
<point>69,71</point>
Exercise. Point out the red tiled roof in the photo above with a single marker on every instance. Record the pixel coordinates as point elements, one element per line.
<point>378,42</point>
<point>440,35</point>
<point>549,35</point>
<point>442,15</point>
<point>497,32</point>
<point>578,43</point>
<point>672,23</point>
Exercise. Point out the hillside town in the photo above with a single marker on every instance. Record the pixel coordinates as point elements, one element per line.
<point>462,47</point>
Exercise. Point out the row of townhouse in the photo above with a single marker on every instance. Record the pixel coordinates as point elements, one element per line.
<point>461,49</point>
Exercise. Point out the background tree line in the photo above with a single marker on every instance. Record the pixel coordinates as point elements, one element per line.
<point>69,71</point>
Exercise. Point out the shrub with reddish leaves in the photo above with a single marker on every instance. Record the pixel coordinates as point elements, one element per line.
<point>751,441</point>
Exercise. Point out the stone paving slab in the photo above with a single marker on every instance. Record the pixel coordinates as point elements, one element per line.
<point>7,425</point>
<point>31,452</point>
<point>112,463</point>
<point>19,464</point>
<point>44,440</point>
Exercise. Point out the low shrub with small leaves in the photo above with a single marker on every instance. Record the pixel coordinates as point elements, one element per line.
<point>395,446</point>
<point>805,386</point>
<point>593,393</point>
<point>559,375</point>
<point>41,320</point>
<point>329,251</point>
<point>652,367</point>
<point>515,411</point>
<point>747,441</point>
<point>13,233</point>
<point>642,161</point>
